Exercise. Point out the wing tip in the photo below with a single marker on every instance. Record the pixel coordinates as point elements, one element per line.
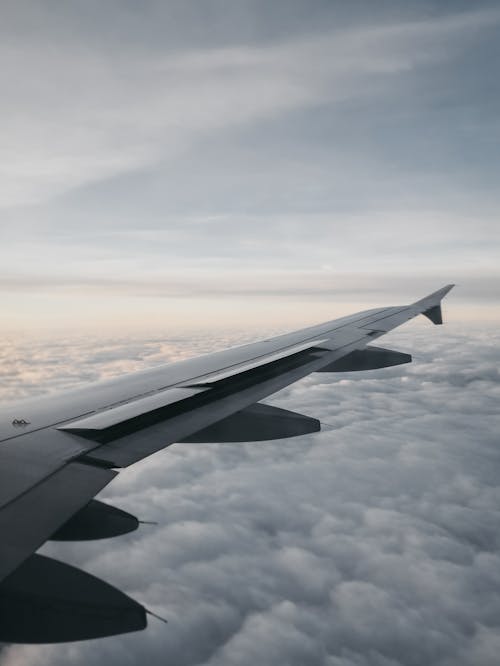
<point>440,293</point>
<point>430,306</point>
<point>436,296</point>
<point>447,288</point>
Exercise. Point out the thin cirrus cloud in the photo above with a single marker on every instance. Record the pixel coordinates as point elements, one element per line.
<point>102,107</point>
<point>89,114</point>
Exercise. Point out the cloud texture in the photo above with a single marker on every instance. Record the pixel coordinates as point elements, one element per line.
<point>373,543</point>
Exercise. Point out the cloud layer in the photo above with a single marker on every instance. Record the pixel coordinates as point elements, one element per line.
<point>374,542</point>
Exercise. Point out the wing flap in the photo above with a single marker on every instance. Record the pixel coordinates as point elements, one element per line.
<point>227,396</point>
<point>133,415</point>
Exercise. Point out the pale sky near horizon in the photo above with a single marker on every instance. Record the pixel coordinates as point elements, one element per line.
<point>173,164</point>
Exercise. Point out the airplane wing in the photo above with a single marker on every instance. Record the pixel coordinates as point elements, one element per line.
<point>58,452</point>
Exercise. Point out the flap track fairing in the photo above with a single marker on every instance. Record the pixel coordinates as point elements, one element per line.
<point>47,601</point>
<point>257,423</point>
<point>370,358</point>
<point>97,520</point>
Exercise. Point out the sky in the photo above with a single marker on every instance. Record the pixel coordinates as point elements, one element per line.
<point>179,177</point>
<point>170,162</point>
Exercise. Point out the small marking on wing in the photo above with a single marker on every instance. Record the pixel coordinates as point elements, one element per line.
<point>20,422</point>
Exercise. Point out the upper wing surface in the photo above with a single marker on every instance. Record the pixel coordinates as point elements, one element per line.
<point>51,467</point>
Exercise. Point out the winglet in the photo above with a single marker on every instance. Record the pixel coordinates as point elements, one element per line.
<point>434,314</point>
<point>431,304</point>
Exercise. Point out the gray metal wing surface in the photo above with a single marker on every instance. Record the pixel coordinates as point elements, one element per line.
<point>58,452</point>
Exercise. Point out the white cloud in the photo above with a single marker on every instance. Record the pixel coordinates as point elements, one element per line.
<point>373,543</point>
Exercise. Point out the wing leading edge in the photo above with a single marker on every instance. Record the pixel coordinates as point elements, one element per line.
<point>73,445</point>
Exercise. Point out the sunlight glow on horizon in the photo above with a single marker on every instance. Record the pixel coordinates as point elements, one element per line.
<point>45,314</point>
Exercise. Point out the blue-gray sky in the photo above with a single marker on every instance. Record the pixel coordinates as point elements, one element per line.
<point>245,160</point>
